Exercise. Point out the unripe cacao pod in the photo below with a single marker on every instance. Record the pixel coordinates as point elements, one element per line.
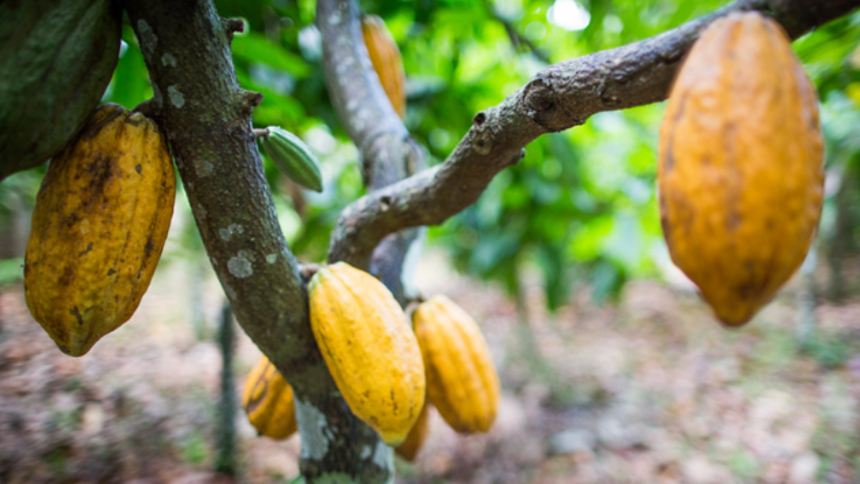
<point>293,157</point>
<point>99,224</point>
<point>740,170</point>
<point>385,57</point>
<point>412,445</point>
<point>461,380</point>
<point>56,59</point>
<point>369,349</point>
<point>268,401</point>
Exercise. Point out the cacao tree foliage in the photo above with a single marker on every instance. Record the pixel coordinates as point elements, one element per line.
<point>580,208</point>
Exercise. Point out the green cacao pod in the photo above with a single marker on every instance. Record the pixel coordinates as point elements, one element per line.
<point>293,157</point>
<point>56,59</point>
<point>99,225</point>
<point>741,165</point>
<point>369,349</point>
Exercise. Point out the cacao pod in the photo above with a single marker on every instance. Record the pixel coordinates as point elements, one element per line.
<point>292,156</point>
<point>412,445</point>
<point>740,170</point>
<point>268,401</point>
<point>385,57</point>
<point>99,224</point>
<point>370,351</point>
<point>461,380</point>
<point>56,59</point>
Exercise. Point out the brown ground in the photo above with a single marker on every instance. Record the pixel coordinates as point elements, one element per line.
<point>650,390</point>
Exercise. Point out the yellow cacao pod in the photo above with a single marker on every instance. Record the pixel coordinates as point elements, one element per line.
<point>268,401</point>
<point>412,445</point>
<point>740,171</point>
<point>370,351</point>
<point>385,57</point>
<point>461,380</point>
<point>99,224</point>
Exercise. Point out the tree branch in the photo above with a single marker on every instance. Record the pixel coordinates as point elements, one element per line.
<point>206,118</point>
<point>559,97</point>
<point>388,153</point>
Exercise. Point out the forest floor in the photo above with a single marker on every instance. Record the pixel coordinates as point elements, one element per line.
<point>649,389</point>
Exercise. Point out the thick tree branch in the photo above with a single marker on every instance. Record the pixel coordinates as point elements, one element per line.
<point>562,96</point>
<point>206,118</point>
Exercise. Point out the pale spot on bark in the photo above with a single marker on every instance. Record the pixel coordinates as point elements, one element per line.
<point>148,40</point>
<point>382,456</point>
<point>168,60</point>
<point>228,232</point>
<point>312,427</point>
<point>176,96</point>
<point>203,167</point>
<point>240,266</point>
<point>271,258</point>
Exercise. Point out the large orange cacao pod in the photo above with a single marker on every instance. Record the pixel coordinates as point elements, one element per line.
<point>268,401</point>
<point>370,351</point>
<point>385,57</point>
<point>99,225</point>
<point>461,380</point>
<point>412,445</point>
<point>740,171</point>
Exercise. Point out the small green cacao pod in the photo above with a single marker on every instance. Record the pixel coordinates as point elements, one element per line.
<point>293,157</point>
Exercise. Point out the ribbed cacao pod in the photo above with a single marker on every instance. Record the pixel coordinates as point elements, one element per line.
<point>415,440</point>
<point>99,224</point>
<point>385,57</point>
<point>461,380</point>
<point>370,351</point>
<point>740,171</point>
<point>56,59</point>
<point>268,401</point>
<point>293,157</point>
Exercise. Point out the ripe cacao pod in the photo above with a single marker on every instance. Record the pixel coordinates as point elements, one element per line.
<point>56,59</point>
<point>385,57</point>
<point>412,445</point>
<point>99,224</point>
<point>370,351</point>
<point>461,380</point>
<point>740,170</point>
<point>268,401</point>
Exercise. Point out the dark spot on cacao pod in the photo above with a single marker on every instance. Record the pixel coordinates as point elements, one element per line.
<point>77,314</point>
<point>87,250</point>
<point>139,169</point>
<point>147,249</point>
<point>100,172</point>
<point>670,158</point>
<point>111,271</point>
<point>733,219</point>
<point>67,276</point>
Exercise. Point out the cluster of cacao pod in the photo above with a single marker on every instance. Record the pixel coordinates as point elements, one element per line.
<point>388,373</point>
<point>741,165</point>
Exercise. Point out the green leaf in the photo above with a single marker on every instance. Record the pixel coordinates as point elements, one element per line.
<point>255,48</point>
